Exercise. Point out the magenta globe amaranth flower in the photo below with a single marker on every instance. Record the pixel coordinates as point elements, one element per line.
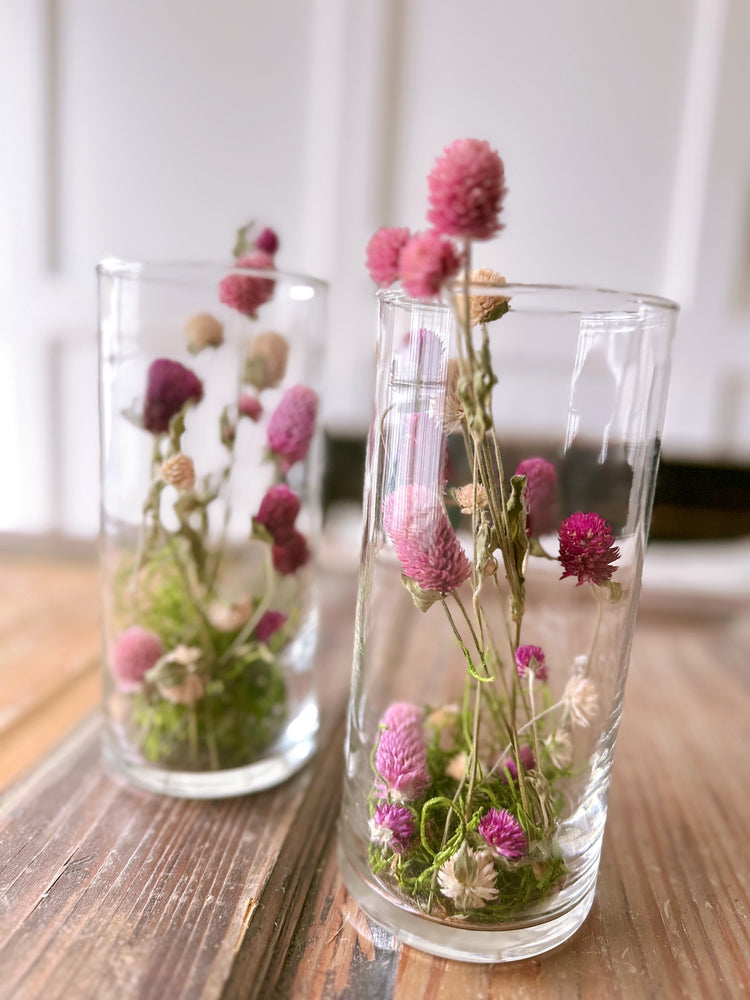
<point>587,548</point>
<point>392,826</point>
<point>504,834</point>
<point>267,241</point>
<point>401,762</point>
<point>531,659</point>
<point>268,624</point>
<point>384,252</point>
<point>169,385</point>
<point>541,495</point>
<point>402,714</point>
<point>466,190</point>
<point>278,511</point>
<point>247,292</point>
<point>528,763</point>
<point>427,261</point>
<point>134,653</point>
<point>290,553</point>
<point>292,425</point>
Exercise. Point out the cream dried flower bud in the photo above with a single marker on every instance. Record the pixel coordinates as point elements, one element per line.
<point>192,689</point>
<point>179,471</point>
<point>581,700</point>
<point>203,330</point>
<point>177,676</point>
<point>453,410</point>
<point>465,496</point>
<point>265,364</point>
<point>456,766</point>
<point>486,308</point>
<point>559,746</point>
<point>229,618</point>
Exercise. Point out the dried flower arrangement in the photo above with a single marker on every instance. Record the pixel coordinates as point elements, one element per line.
<point>466,798</point>
<point>196,655</point>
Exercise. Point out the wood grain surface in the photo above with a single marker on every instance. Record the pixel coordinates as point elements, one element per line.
<point>109,892</point>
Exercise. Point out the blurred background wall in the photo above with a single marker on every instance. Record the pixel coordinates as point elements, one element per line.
<point>152,129</point>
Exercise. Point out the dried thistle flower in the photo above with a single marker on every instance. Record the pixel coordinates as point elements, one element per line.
<point>265,364</point>
<point>179,471</point>
<point>203,330</point>
<point>486,308</point>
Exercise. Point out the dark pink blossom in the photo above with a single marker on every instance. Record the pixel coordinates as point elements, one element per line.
<point>247,292</point>
<point>290,553</point>
<point>169,386</point>
<point>267,241</point>
<point>427,261</point>
<point>392,826</point>
<point>587,548</point>
<point>278,511</point>
<point>541,495</point>
<point>527,762</point>
<point>466,190</point>
<point>134,653</point>
<point>292,425</point>
<point>531,658</point>
<point>401,762</point>
<point>250,406</point>
<point>269,623</point>
<point>503,833</point>
<point>425,543</point>
<point>383,254</point>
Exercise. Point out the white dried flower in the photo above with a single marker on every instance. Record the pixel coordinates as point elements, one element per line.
<point>456,767</point>
<point>581,700</point>
<point>468,878</point>
<point>560,748</point>
<point>230,617</point>
<point>485,308</point>
<point>179,471</point>
<point>203,330</point>
<point>465,497</point>
<point>177,677</point>
<point>265,364</point>
<point>453,410</point>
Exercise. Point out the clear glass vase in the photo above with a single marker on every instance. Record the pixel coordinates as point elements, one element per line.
<point>210,513</point>
<point>509,487</point>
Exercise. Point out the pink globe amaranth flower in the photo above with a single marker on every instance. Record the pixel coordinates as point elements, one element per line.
<point>292,425</point>
<point>384,252</point>
<point>466,190</point>
<point>541,495</point>
<point>401,762</point>
<point>531,658</point>
<point>527,761</point>
<point>290,554</point>
<point>247,292</point>
<point>587,548</point>
<point>134,653</point>
<point>504,834</point>
<point>250,406</point>
<point>169,385</point>
<point>427,261</point>
<point>267,241</point>
<point>392,826</point>
<point>278,511</point>
<point>425,543</point>
<point>402,713</point>
<point>269,623</point>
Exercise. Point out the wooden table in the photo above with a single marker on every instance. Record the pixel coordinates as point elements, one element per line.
<point>109,892</point>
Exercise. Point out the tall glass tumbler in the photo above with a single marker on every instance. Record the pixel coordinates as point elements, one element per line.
<point>510,479</point>
<point>210,515</point>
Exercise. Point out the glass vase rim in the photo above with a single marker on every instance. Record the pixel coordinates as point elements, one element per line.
<point>398,296</point>
<point>170,271</point>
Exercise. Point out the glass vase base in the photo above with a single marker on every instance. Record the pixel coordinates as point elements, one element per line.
<point>465,944</point>
<point>222,784</point>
